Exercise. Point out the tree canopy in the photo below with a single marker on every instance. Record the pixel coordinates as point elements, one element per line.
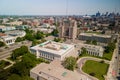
<point>57,39</point>
<point>15,76</point>
<point>2,44</point>
<point>110,47</point>
<point>39,35</point>
<point>55,32</point>
<point>70,63</point>
<point>83,50</point>
<point>94,42</point>
<point>19,51</point>
<point>19,39</point>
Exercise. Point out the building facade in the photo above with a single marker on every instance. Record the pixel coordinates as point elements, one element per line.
<point>92,49</point>
<point>51,50</point>
<point>16,33</point>
<point>6,28</point>
<point>97,37</point>
<point>10,36</point>
<point>8,39</point>
<point>68,29</point>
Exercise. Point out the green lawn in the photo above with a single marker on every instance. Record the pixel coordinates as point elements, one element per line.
<point>96,68</point>
<point>4,63</point>
<point>107,56</point>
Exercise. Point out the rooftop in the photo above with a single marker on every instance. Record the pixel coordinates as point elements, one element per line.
<point>89,46</point>
<point>1,26</point>
<point>92,34</point>
<point>2,34</point>
<point>55,69</point>
<point>53,47</point>
<point>7,37</point>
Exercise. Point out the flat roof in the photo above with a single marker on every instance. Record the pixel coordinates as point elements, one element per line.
<point>7,37</point>
<point>2,26</point>
<point>2,34</point>
<point>56,70</point>
<point>53,47</point>
<point>93,34</point>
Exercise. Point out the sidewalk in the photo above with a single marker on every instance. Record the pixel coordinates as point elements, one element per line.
<point>10,64</point>
<point>110,75</point>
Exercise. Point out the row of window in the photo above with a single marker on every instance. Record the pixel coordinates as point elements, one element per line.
<point>93,53</point>
<point>47,56</point>
<point>10,41</point>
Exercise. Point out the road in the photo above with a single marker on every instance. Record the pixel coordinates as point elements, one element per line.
<point>113,68</point>
<point>6,52</point>
<point>118,62</point>
<point>81,62</point>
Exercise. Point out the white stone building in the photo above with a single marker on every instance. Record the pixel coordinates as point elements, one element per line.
<point>10,36</point>
<point>54,71</point>
<point>8,39</point>
<point>92,49</point>
<point>51,50</point>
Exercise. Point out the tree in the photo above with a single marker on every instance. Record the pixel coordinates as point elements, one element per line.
<point>70,63</point>
<point>29,36</point>
<point>19,39</point>
<point>29,60</point>
<point>88,41</point>
<point>19,51</point>
<point>17,77</point>
<point>110,47</point>
<point>4,74</point>
<point>2,44</point>
<point>94,42</point>
<point>83,50</point>
<point>23,68</point>
<point>14,77</point>
<point>39,35</point>
<point>34,42</point>
<point>29,31</point>
<point>27,78</point>
<point>20,69</point>
<point>55,32</point>
<point>57,39</point>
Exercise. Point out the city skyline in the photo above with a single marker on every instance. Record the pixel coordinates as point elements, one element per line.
<point>57,7</point>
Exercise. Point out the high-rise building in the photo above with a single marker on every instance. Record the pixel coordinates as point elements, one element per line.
<point>68,29</point>
<point>98,14</point>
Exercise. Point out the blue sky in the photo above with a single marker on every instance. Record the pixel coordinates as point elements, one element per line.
<point>57,7</point>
